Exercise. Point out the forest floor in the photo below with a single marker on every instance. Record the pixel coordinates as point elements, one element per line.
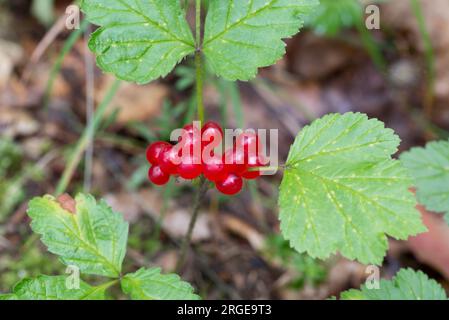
<point>236,251</point>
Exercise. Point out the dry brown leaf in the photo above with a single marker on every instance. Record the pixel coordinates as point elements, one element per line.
<point>432,247</point>
<point>134,102</point>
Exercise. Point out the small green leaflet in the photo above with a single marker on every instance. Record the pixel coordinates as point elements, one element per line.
<point>150,284</point>
<point>343,192</point>
<point>406,285</point>
<point>139,40</point>
<point>93,239</point>
<point>332,16</point>
<point>244,35</point>
<point>429,167</point>
<point>53,288</point>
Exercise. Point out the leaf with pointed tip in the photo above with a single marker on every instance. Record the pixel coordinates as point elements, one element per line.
<point>406,285</point>
<point>93,238</point>
<point>54,288</point>
<point>429,167</point>
<point>150,284</point>
<point>242,36</point>
<point>139,40</point>
<point>343,192</point>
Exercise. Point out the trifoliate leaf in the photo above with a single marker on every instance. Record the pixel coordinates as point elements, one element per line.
<point>244,35</point>
<point>429,167</point>
<point>332,16</point>
<point>406,285</point>
<point>93,238</point>
<point>343,192</point>
<point>138,40</point>
<point>150,284</point>
<point>54,288</point>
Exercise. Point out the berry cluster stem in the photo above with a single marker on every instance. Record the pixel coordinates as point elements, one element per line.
<point>200,193</point>
<point>199,64</point>
<point>202,189</point>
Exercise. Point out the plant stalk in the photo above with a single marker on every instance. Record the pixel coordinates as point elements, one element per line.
<point>202,189</point>
<point>199,64</point>
<point>83,142</point>
<point>200,193</point>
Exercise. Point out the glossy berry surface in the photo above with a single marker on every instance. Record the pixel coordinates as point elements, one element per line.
<point>211,131</point>
<point>168,161</point>
<point>214,169</point>
<point>155,150</point>
<point>254,161</point>
<point>157,176</point>
<point>235,161</point>
<point>230,185</point>
<point>194,155</point>
<point>248,142</point>
<point>190,168</point>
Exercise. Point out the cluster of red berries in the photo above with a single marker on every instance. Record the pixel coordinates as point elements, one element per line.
<point>195,154</point>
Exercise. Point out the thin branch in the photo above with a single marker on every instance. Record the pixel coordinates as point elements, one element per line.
<point>90,92</point>
<point>199,64</point>
<point>201,192</point>
<point>82,143</point>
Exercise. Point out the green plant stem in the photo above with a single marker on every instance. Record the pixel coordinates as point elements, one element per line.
<point>198,24</point>
<point>199,86</point>
<point>90,92</point>
<point>200,193</point>
<point>202,189</point>
<point>266,168</point>
<point>105,286</point>
<point>430,56</point>
<point>83,142</point>
<point>199,64</point>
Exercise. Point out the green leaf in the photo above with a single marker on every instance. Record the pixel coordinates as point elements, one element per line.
<point>139,40</point>
<point>429,167</point>
<point>150,284</point>
<point>93,238</point>
<point>54,288</point>
<point>332,16</point>
<point>242,36</point>
<point>406,285</point>
<point>343,192</point>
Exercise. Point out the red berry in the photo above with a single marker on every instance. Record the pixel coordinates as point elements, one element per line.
<point>249,143</point>
<point>167,160</point>
<point>211,131</point>
<point>214,169</point>
<point>157,176</point>
<point>190,129</point>
<point>235,161</point>
<point>253,162</point>
<point>189,143</point>
<point>231,185</point>
<point>190,168</point>
<point>155,149</point>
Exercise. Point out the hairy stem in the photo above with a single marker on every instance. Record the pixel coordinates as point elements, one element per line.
<point>202,189</point>
<point>200,193</point>
<point>199,64</point>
